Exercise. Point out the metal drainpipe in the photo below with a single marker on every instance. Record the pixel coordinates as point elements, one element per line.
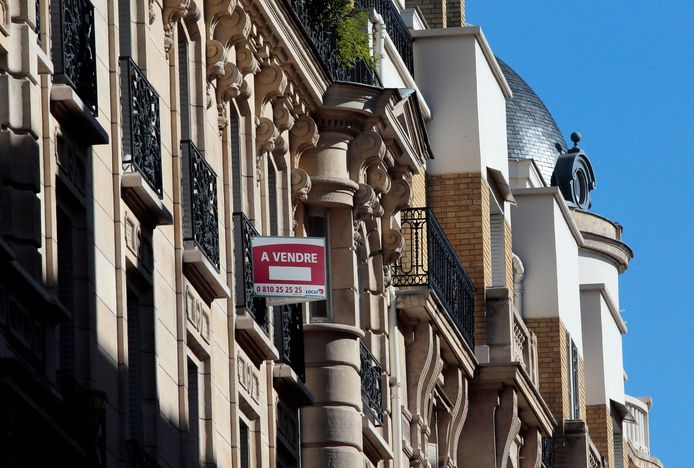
<point>379,41</point>
<point>395,381</point>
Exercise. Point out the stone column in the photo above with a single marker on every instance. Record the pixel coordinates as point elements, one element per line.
<point>332,427</point>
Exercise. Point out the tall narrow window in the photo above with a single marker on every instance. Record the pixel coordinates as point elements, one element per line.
<point>272,196</point>
<point>496,225</point>
<point>193,415</point>
<point>184,84</point>
<point>316,225</point>
<point>575,410</point>
<point>134,368</point>
<point>65,289</point>
<point>244,445</point>
<point>235,150</point>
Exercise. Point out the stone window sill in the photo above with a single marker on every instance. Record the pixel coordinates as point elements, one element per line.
<point>143,200</point>
<point>71,112</point>
<point>204,277</point>
<point>254,340</point>
<point>290,385</point>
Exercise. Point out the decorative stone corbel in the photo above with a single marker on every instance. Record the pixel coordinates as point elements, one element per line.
<point>366,207</point>
<point>398,197</point>
<point>456,389</point>
<point>422,363</point>
<point>365,149</point>
<point>245,57</point>
<point>301,185</point>
<point>531,451</point>
<point>302,137</point>
<point>172,11</point>
<point>281,114</point>
<point>507,424</point>
<point>270,83</point>
<point>266,135</point>
<point>229,86</point>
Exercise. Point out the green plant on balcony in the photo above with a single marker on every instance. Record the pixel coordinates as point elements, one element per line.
<point>350,25</point>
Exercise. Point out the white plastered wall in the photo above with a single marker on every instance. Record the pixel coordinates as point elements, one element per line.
<point>602,342</point>
<point>546,244</point>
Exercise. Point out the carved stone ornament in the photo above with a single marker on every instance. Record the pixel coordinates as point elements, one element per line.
<point>303,137</point>
<point>270,83</point>
<point>152,14</point>
<point>364,150</point>
<point>301,185</point>
<point>398,197</point>
<point>172,12</point>
<point>266,135</point>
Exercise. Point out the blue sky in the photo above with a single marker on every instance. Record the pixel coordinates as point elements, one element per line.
<point>621,73</point>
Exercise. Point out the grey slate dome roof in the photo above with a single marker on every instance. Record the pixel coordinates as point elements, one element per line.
<point>531,130</point>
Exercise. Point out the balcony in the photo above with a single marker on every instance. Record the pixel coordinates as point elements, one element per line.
<point>74,93</point>
<point>428,259</point>
<point>74,50</point>
<point>252,318</point>
<point>371,384</point>
<point>324,41</point>
<point>201,224</point>
<point>142,180</point>
<point>290,371</point>
<point>549,455</point>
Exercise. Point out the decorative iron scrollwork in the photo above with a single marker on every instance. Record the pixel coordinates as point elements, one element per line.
<point>200,190</point>
<point>428,259</point>
<point>74,50</point>
<point>289,337</point>
<point>371,390</point>
<point>256,307</point>
<point>141,132</point>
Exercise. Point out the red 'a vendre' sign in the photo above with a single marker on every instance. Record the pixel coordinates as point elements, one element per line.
<point>289,267</point>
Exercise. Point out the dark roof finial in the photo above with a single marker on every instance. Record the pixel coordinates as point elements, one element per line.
<point>576,138</point>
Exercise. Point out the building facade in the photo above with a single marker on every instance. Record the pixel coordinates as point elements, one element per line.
<point>472,316</point>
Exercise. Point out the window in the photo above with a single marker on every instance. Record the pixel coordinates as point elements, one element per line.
<point>193,415</point>
<point>272,196</point>
<point>184,84</point>
<point>244,445</point>
<point>575,410</point>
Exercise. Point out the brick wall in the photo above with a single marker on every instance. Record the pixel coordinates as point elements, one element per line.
<point>553,362</point>
<point>460,203</point>
<point>441,13</point>
<point>434,11</point>
<point>419,191</point>
<point>600,427</point>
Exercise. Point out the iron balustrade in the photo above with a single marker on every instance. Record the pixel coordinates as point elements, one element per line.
<point>549,457</point>
<point>395,26</point>
<point>371,381</point>
<point>38,22</point>
<point>141,132</point>
<point>200,217</point>
<point>73,49</point>
<point>428,259</point>
<point>138,457</point>
<point>256,307</point>
<point>289,337</point>
<point>324,41</point>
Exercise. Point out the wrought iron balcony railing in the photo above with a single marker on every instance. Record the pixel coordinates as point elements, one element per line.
<point>396,27</point>
<point>255,306</point>
<point>138,457</point>
<point>74,50</point>
<point>289,337</point>
<point>371,390</point>
<point>428,259</point>
<point>549,458</point>
<point>200,218</point>
<point>324,41</point>
<point>141,132</point>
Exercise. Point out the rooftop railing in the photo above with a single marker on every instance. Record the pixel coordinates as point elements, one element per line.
<point>324,41</point>
<point>428,259</point>
<point>74,51</point>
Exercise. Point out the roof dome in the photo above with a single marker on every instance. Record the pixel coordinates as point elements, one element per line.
<point>531,130</point>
